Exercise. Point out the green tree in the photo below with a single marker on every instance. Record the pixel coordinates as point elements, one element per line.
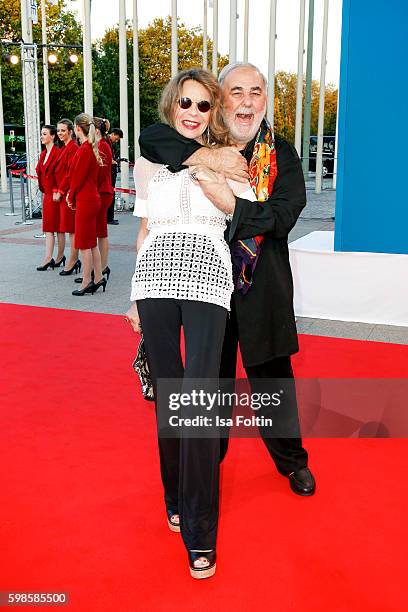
<point>65,79</point>
<point>285,106</point>
<point>330,109</point>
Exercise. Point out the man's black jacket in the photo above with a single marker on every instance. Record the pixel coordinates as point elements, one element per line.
<point>265,316</point>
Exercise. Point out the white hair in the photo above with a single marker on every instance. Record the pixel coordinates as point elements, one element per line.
<point>230,67</point>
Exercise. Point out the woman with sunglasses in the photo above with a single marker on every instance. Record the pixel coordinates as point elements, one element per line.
<point>183,278</point>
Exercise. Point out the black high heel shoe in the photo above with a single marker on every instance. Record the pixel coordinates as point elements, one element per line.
<point>49,264</point>
<point>207,570</point>
<point>106,271</point>
<point>79,279</point>
<point>101,283</point>
<point>88,289</point>
<point>75,268</point>
<point>61,261</point>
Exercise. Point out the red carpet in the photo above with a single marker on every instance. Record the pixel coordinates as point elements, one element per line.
<point>81,508</point>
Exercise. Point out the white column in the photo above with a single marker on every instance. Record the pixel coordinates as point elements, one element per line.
<point>299,88</point>
<point>271,62</point>
<point>233,32</point>
<point>136,92</point>
<point>320,124</point>
<point>215,39</point>
<point>2,145</point>
<point>205,42</point>
<point>174,46</point>
<point>246,28</point>
<point>45,63</point>
<point>31,99</point>
<point>26,25</point>
<point>123,97</point>
<point>308,92</point>
<point>87,56</point>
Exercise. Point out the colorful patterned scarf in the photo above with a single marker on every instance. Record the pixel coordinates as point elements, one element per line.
<point>263,171</point>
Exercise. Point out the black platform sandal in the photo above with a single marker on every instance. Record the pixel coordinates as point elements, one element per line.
<point>206,570</point>
<point>173,526</point>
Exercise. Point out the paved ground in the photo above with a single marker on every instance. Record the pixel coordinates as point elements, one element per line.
<point>21,252</point>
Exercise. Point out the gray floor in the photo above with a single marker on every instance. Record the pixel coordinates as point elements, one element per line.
<point>21,252</point>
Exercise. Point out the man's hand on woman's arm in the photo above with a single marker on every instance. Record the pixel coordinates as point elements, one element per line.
<point>225,160</point>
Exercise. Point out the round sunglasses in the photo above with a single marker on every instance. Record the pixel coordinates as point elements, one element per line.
<point>203,106</point>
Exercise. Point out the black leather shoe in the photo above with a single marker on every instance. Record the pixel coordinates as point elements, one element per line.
<point>302,482</point>
<point>88,289</point>
<point>49,264</point>
<point>75,268</point>
<point>113,222</point>
<point>61,261</point>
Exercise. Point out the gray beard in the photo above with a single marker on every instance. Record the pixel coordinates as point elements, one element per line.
<point>239,139</point>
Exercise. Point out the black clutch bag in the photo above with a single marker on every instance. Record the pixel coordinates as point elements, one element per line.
<point>141,367</point>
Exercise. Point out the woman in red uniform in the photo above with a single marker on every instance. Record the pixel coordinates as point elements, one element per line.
<point>83,196</point>
<point>105,190</point>
<point>50,211</point>
<point>65,129</point>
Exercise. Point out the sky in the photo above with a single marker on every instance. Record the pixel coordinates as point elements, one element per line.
<point>106,14</point>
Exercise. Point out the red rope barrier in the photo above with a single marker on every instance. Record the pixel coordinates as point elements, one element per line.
<point>132,191</point>
<point>35,178</point>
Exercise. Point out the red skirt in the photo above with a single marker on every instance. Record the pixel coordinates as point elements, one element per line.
<point>102,218</point>
<point>85,223</point>
<point>67,218</point>
<point>50,214</point>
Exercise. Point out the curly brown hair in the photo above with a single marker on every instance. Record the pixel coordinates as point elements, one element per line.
<point>218,132</point>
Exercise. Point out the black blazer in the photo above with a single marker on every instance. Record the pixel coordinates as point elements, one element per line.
<point>265,315</point>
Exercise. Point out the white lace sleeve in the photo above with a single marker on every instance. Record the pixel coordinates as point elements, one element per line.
<point>142,173</point>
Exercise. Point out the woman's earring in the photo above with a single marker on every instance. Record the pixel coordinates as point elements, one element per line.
<point>208,134</point>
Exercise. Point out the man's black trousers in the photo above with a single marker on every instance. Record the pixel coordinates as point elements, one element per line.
<point>287,452</point>
<point>189,466</point>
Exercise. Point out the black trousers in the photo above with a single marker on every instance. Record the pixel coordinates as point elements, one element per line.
<point>287,452</point>
<point>189,466</point>
<point>111,209</point>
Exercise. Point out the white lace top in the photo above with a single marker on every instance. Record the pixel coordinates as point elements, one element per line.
<point>184,256</point>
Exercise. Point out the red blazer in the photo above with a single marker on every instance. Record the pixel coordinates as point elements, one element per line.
<point>83,175</point>
<point>63,165</point>
<point>104,175</point>
<point>46,173</point>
